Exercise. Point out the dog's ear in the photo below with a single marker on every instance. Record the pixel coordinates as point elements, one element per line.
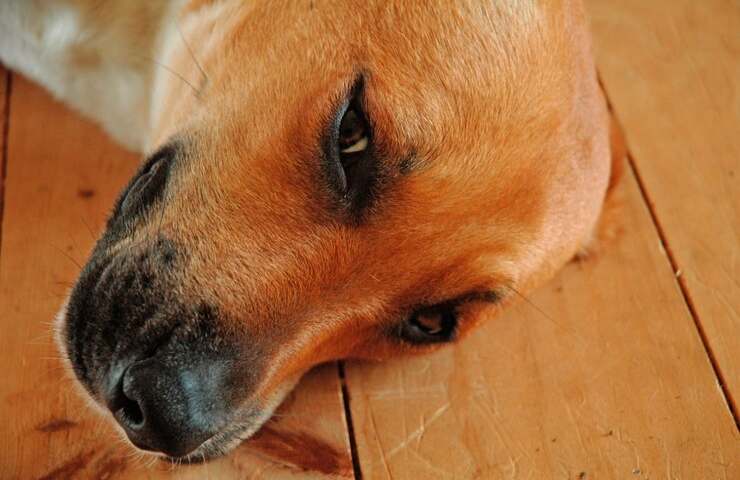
<point>609,225</point>
<point>618,148</point>
<point>617,143</point>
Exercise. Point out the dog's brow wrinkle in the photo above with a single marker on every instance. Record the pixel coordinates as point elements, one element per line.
<point>408,163</point>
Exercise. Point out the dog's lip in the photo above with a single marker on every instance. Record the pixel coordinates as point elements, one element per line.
<point>232,434</point>
<point>210,449</point>
<point>192,457</point>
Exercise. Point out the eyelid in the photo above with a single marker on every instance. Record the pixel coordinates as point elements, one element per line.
<point>351,171</point>
<point>485,296</point>
<point>337,171</point>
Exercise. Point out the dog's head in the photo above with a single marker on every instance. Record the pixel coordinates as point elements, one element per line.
<point>349,179</point>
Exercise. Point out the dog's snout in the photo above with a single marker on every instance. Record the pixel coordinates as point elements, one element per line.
<point>168,409</point>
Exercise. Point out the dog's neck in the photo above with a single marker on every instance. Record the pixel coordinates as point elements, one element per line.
<point>102,60</point>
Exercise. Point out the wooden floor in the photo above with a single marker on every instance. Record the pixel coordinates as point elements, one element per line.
<point>626,366</point>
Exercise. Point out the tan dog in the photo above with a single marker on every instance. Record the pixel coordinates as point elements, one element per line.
<point>324,180</point>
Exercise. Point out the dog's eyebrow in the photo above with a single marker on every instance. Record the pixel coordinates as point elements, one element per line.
<point>407,164</point>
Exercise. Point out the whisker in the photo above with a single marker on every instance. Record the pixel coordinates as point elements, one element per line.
<point>532,304</point>
<point>139,460</point>
<point>43,338</point>
<point>54,359</point>
<point>132,455</point>
<point>196,92</point>
<point>57,297</point>
<point>289,415</point>
<point>190,51</point>
<point>152,461</point>
<point>48,330</point>
<point>69,257</point>
<point>87,226</point>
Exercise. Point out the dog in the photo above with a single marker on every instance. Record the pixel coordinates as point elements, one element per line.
<point>322,180</point>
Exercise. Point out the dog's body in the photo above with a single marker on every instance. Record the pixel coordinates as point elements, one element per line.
<point>325,180</point>
<point>99,57</point>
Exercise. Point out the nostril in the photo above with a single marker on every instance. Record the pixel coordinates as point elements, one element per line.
<point>148,185</point>
<point>130,413</point>
<point>125,405</point>
<point>124,402</point>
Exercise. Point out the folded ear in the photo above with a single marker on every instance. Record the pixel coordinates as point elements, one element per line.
<point>617,143</point>
<point>609,225</point>
<point>618,148</point>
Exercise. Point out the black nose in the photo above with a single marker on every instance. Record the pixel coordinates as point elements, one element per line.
<point>167,409</point>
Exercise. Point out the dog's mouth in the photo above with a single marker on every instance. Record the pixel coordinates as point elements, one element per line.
<point>221,442</point>
<point>224,441</point>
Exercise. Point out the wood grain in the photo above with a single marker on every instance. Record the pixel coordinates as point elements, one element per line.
<point>603,376</point>
<point>611,381</point>
<point>4,87</point>
<point>63,176</point>
<point>672,71</point>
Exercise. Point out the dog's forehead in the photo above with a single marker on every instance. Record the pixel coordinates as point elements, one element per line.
<point>420,55</point>
<point>431,67</point>
<point>433,72</point>
<point>410,44</point>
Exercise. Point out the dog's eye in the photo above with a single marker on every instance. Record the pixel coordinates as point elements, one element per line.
<point>353,135</point>
<point>351,147</point>
<point>352,166</point>
<point>430,325</point>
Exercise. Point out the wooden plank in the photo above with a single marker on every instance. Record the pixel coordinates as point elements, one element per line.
<point>613,382</point>
<point>63,174</point>
<point>672,70</point>
<point>4,87</point>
